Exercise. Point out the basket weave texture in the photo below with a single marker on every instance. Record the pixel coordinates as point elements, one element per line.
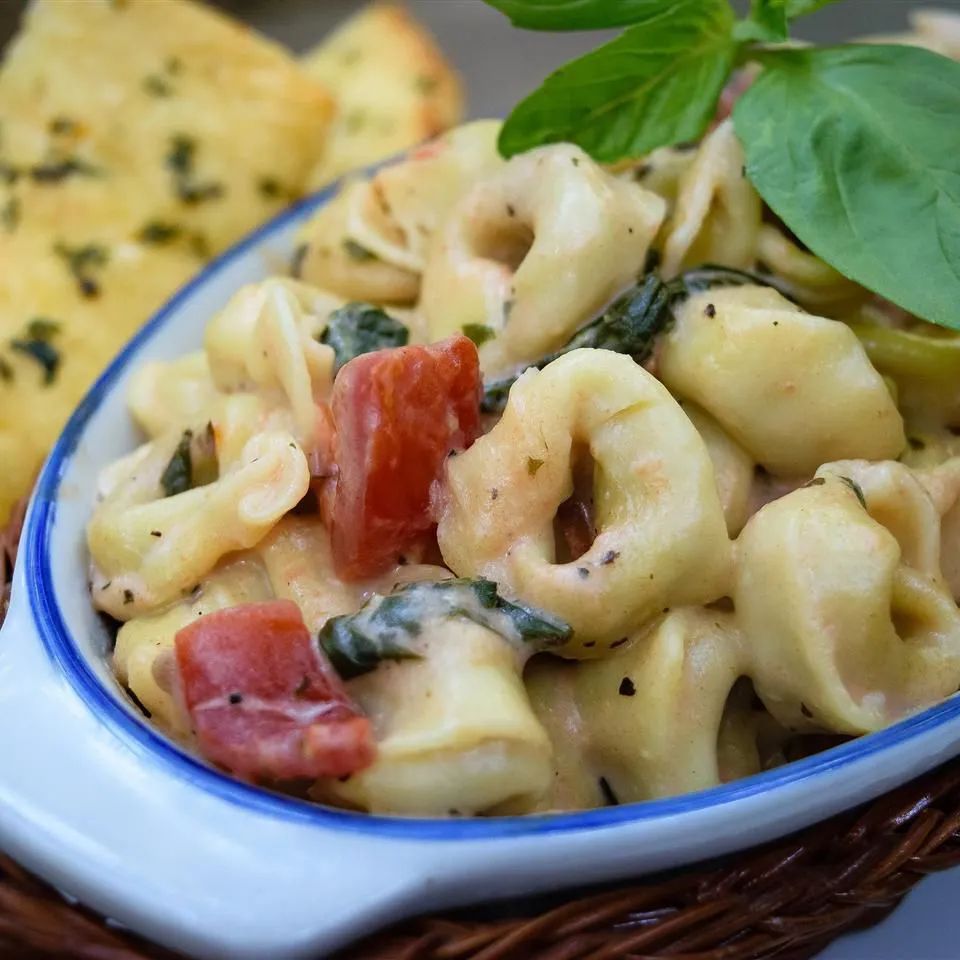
<point>787,900</point>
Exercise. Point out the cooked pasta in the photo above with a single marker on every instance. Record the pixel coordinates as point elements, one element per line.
<point>483,512</point>
<point>532,250</point>
<point>795,390</point>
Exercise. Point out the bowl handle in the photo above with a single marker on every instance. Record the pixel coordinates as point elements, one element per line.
<point>134,833</point>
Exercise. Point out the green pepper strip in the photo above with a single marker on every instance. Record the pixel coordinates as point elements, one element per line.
<point>906,354</point>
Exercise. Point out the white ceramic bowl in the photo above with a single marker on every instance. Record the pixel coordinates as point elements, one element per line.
<point>109,810</point>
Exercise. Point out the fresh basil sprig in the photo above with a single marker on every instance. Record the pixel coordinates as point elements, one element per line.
<point>856,148</point>
<point>386,628</point>
<point>656,84</point>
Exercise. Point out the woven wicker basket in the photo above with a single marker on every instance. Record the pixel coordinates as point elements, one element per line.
<point>788,899</point>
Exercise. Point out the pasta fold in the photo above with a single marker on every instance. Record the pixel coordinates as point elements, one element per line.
<point>455,730</point>
<point>662,538</point>
<point>848,619</point>
<point>533,251</point>
<point>794,390</point>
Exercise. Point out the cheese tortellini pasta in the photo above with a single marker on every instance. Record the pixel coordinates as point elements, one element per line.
<point>795,390</point>
<point>536,486</point>
<point>657,510</point>
<point>532,250</point>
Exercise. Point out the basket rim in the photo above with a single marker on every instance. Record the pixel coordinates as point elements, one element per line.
<point>107,706</point>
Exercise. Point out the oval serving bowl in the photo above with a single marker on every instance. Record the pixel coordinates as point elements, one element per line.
<point>104,806</point>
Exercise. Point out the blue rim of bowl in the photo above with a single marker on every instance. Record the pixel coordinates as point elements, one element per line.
<point>141,735</point>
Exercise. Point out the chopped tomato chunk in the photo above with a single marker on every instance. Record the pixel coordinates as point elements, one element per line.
<point>264,701</point>
<point>399,413</point>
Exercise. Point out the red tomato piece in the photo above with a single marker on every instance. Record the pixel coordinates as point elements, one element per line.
<point>264,701</point>
<point>399,413</point>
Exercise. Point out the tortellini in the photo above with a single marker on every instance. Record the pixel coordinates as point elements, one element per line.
<point>654,718</point>
<point>533,251</point>
<point>455,730</point>
<point>844,606</point>
<point>299,563</point>
<point>266,339</point>
<point>655,707</point>
<point>163,395</point>
<point>330,258</point>
<point>794,390</point>
<point>717,214</point>
<point>732,466</point>
<point>405,203</point>
<point>148,548</point>
<point>371,241</point>
<point>662,538</point>
<point>943,484</point>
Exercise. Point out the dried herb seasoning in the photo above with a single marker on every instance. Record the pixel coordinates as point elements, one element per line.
<point>57,169</point>
<point>35,344</point>
<point>357,251</point>
<point>61,126</point>
<point>44,353</point>
<point>10,214</point>
<point>157,85</point>
<point>83,262</point>
<point>180,160</point>
<point>270,188</point>
<point>159,233</point>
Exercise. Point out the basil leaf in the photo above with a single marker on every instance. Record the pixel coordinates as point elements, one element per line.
<point>582,14</point>
<point>386,628</point>
<point>655,85</point>
<point>359,328</point>
<point>767,22</point>
<point>857,150</point>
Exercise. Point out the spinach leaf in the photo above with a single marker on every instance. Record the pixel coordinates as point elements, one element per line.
<point>177,476</point>
<point>655,85</point>
<point>857,150</point>
<point>359,328</point>
<point>385,628</point>
<point>582,14</point>
<point>479,333</point>
<point>634,321</point>
<point>709,277</point>
<point>193,464</point>
<point>629,325</point>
